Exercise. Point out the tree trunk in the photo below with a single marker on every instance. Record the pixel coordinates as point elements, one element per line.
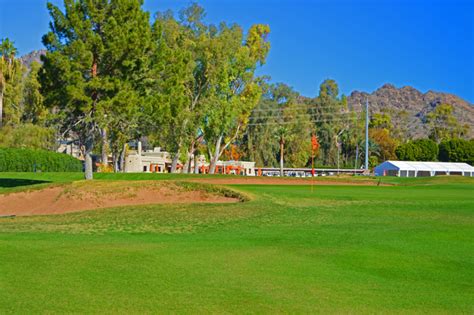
<point>122,157</point>
<point>174,163</point>
<point>186,165</point>
<point>88,169</point>
<point>196,166</point>
<point>104,158</point>
<point>190,168</point>
<point>116,162</point>
<point>88,175</point>
<point>282,144</point>
<point>215,157</point>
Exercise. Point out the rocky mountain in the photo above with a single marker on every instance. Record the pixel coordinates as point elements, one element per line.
<point>408,107</point>
<point>34,56</point>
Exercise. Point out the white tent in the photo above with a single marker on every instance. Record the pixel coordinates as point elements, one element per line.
<point>419,169</point>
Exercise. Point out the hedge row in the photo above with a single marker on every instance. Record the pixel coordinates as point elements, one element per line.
<point>30,160</point>
<point>453,150</point>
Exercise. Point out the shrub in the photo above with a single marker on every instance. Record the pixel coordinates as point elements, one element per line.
<point>428,150</point>
<point>408,152</point>
<point>31,160</point>
<point>457,150</point>
<point>28,136</point>
<point>418,150</point>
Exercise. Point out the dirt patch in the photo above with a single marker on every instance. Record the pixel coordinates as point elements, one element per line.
<point>286,181</point>
<point>89,196</point>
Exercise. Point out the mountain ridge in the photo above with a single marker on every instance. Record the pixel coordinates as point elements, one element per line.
<point>407,105</point>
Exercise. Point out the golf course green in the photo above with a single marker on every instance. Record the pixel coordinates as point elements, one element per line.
<point>405,246</point>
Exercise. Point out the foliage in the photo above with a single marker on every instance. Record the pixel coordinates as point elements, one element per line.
<point>457,150</point>
<point>178,77</point>
<point>95,62</point>
<point>336,127</point>
<point>418,150</point>
<point>444,125</point>
<point>28,136</point>
<point>297,135</point>
<point>281,109</point>
<point>29,160</point>
<point>385,143</point>
<point>11,73</point>
<point>189,87</point>
<point>279,113</point>
<point>428,149</point>
<point>381,121</point>
<point>408,152</point>
<point>233,152</point>
<point>234,91</point>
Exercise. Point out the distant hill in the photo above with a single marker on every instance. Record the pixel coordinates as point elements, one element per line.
<point>409,107</point>
<point>29,58</point>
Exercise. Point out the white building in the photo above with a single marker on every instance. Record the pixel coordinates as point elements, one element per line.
<point>422,169</point>
<point>157,161</point>
<point>236,168</point>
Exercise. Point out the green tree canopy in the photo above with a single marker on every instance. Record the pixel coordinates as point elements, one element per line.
<point>444,125</point>
<point>418,150</point>
<point>95,63</point>
<point>234,89</point>
<point>11,72</point>
<point>457,150</point>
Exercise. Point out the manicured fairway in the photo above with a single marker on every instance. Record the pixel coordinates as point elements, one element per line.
<point>351,249</point>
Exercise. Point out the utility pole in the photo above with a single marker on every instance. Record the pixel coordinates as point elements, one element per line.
<point>282,144</point>
<point>357,158</point>
<point>338,145</point>
<point>367,135</point>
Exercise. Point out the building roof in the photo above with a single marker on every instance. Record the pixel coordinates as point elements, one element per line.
<point>427,166</point>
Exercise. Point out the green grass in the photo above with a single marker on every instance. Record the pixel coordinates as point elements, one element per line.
<point>339,249</point>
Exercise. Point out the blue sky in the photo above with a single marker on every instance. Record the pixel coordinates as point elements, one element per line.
<point>361,44</point>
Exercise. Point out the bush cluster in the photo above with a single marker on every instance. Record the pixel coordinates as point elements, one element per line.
<point>418,150</point>
<point>453,150</point>
<point>457,150</point>
<point>31,160</point>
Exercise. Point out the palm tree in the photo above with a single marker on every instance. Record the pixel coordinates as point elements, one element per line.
<point>8,66</point>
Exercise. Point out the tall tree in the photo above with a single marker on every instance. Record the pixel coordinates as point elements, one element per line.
<point>34,110</point>
<point>279,114</point>
<point>11,72</point>
<point>179,79</point>
<point>385,143</point>
<point>332,119</point>
<point>96,59</point>
<point>234,91</point>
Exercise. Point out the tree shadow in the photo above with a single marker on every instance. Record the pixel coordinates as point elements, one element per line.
<point>13,182</point>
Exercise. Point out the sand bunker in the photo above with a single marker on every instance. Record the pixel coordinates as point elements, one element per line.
<point>89,196</point>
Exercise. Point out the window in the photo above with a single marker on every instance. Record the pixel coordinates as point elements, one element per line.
<point>145,169</point>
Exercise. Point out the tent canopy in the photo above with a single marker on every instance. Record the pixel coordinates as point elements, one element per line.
<point>412,168</point>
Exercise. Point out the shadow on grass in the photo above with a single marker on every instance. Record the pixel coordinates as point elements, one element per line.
<point>11,182</point>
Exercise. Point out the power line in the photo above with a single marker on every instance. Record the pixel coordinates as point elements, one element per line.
<point>294,107</point>
<point>292,122</point>
<point>305,115</point>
